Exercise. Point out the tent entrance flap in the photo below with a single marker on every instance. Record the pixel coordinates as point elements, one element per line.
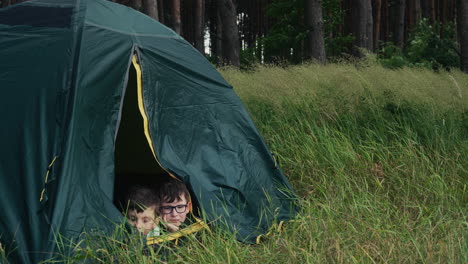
<point>134,160</point>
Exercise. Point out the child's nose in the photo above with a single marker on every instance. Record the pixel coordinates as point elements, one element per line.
<point>140,225</point>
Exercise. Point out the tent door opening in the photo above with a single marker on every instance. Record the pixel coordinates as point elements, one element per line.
<point>134,159</point>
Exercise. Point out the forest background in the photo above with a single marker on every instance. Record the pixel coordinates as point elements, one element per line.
<point>378,157</point>
<point>243,33</point>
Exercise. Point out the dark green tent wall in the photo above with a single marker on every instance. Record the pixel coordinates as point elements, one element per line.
<point>64,71</point>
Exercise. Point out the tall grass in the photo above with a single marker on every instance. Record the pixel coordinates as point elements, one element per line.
<point>379,159</point>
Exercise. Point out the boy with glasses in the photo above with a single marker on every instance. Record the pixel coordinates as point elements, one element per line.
<point>175,213</point>
<point>174,204</point>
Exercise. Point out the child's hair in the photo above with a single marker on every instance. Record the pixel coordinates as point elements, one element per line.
<point>140,197</point>
<point>171,190</point>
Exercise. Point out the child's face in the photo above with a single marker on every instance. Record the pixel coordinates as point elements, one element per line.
<point>144,221</point>
<point>175,212</point>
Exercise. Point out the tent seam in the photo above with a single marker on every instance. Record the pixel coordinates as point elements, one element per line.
<point>48,4</point>
<point>131,34</point>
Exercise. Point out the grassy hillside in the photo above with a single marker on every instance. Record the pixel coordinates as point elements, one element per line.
<point>379,159</point>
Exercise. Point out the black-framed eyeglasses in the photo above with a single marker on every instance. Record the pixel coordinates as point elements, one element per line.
<point>178,208</point>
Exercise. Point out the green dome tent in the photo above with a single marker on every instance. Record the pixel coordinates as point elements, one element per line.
<point>93,93</point>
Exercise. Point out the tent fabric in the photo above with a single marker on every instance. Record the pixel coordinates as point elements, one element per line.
<point>64,70</point>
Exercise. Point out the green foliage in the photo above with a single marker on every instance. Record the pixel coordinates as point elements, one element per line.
<point>336,43</point>
<point>392,56</point>
<point>431,47</point>
<point>248,60</point>
<point>285,37</point>
<point>213,59</point>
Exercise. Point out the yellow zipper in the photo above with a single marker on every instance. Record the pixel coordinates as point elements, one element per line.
<point>47,178</point>
<point>143,112</point>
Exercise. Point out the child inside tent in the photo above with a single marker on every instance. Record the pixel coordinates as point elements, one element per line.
<point>175,212</point>
<point>143,203</point>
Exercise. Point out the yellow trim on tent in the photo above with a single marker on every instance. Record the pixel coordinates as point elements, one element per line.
<point>280,226</point>
<point>47,178</point>
<point>141,107</point>
<point>193,228</point>
<point>259,239</point>
<point>273,228</point>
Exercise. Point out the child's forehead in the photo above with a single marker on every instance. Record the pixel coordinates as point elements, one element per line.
<point>145,210</point>
<point>180,198</point>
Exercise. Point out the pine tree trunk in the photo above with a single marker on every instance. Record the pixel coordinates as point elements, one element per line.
<point>369,36</point>
<point>314,22</point>
<point>400,30</point>
<point>187,17</point>
<point>462,22</point>
<point>424,9</point>
<point>161,11</point>
<point>451,10</point>
<point>409,21</point>
<point>377,16</point>
<point>215,30</point>
<point>431,11</point>
<point>362,25</point>
<point>176,24</point>
<point>417,11</point>
<point>151,8</point>
<point>443,11</point>
<point>385,21</point>
<point>230,36</point>
<point>199,26</point>
<point>219,36</point>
